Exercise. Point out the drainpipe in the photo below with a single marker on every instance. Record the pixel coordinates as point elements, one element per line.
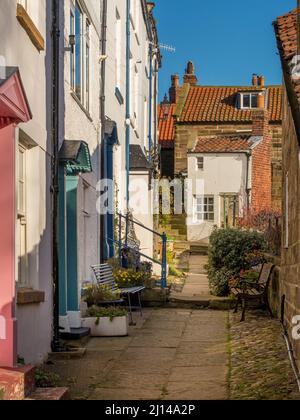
<point>150,99</point>
<point>247,181</point>
<point>54,169</point>
<point>103,219</point>
<point>128,5</point>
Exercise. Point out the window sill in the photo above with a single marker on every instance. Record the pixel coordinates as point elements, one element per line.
<point>26,296</point>
<point>77,100</point>
<point>30,28</point>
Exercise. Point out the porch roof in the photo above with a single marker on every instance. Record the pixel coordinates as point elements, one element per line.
<point>75,154</point>
<point>14,106</point>
<point>138,160</point>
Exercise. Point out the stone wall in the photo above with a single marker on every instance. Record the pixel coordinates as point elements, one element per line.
<point>290,263</point>
<point>186,135</point>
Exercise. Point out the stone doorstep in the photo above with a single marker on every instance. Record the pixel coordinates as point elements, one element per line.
<point>49,394</point>
<point>18,383</point>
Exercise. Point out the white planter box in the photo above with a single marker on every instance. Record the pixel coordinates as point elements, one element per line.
<point>118,327</point>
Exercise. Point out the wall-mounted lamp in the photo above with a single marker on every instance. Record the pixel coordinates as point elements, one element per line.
<point>72,43</point>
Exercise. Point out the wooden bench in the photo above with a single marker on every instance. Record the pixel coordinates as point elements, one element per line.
<point>104,276</point>
<point>247,290</point>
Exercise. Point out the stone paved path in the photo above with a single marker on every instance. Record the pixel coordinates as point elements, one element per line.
<point>171,354</point>
<point>196,288</point>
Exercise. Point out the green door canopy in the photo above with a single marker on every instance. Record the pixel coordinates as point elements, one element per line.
<point>76,157</point>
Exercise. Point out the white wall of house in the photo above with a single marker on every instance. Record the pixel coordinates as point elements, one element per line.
<point>223,173</point>
<point>33,235</point>
<point>139,98</point>
<point>141,204</point>
<point>82,122</point>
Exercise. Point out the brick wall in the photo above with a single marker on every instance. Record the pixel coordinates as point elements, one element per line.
<point>290,259</point>
<point>186,135</point>
<point>261,194</point>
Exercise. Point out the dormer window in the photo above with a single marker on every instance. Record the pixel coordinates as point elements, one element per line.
<point>248,100</point>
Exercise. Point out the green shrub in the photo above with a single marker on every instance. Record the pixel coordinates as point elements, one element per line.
<point>44,379</point>
<point>229,254</point>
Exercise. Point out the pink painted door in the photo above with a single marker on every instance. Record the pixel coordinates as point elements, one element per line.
<point>8,330</point>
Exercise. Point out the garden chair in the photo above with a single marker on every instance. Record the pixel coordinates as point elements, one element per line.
<point>246,291</point>
<point>104,276</point>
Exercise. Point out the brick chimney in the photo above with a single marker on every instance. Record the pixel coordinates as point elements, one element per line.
<point>190,77</point>
<point>174,89</point>
<point>260,121</point>
<point>261,193</point>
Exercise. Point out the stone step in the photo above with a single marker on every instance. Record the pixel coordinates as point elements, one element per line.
<point>49,394</point>
<point>18,383</point>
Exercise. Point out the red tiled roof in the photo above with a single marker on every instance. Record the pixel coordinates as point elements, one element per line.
<point>166,128</point>
<point>219,104</point>
<point>222,144</point>
<point>286,28</point>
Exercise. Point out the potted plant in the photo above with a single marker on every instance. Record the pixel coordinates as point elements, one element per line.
<point>98,294</point>
<point>106,322</point>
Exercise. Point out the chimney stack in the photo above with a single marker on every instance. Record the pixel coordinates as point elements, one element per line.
<point>174,89</point>
<point>190,77</point>
<point>260,120</point>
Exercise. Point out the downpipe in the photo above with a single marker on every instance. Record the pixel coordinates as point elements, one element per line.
<point>291,354</point>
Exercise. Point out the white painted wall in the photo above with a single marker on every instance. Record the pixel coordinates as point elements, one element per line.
<point>223,173</point>
<point>140,96</point>
<point>83,123</point>
<point>141,205</point>
<point>34,321</point>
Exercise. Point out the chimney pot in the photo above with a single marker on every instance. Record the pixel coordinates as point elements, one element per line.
<point>254,80</point>
<point>261,81</point>
<point>175,80</point>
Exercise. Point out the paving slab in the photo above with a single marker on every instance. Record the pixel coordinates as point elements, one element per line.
<point>171,354</point>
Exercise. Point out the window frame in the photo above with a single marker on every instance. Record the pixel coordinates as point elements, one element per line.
<point>207,214</point>
<point>21,223</point>
<point>251,95</point>
<point>200,166</point>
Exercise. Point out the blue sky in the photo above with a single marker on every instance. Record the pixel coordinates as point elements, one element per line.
<point>228,41</point>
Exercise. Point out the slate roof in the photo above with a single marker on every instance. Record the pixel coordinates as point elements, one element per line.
<point>219,104</point>
<point>138,160</point>
<point>224,144</point>
<point>166,128</point>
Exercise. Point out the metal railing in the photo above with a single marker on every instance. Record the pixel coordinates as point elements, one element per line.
<point>125,245</point>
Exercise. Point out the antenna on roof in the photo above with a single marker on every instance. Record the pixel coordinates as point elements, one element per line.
<point>168,48</point>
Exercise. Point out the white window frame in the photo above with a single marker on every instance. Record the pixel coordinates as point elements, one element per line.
<point>83,96</point>
<point>251,95</point>
<point>204,210</point>
<point>200,163</point>
<point>22,250</point>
